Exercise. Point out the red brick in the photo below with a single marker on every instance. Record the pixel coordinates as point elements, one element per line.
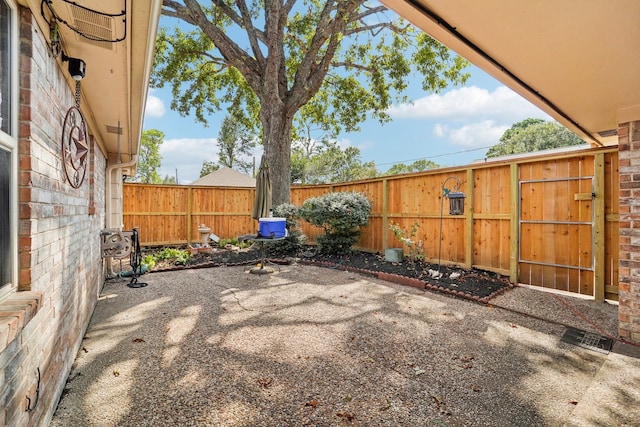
<point>623,131</point>
<point>25,162</point>
<point>24,243</point>
<point>24,259</point>
<point>25,277</point>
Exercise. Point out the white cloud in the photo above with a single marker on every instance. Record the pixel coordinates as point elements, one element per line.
<point>186,155</point>
<point>502,105</point>
<point>440,130</point>
<point>155,107</point>
<point>344,143</point>
<point>474,135</point>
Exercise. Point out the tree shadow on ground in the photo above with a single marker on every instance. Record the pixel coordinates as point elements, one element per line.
<point>311,346</point>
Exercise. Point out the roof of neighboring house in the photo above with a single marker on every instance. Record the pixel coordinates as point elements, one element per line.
<point>226,177</point>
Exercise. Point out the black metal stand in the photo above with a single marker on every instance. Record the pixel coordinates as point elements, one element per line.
<point>262,269</point>
<point>136,258</point>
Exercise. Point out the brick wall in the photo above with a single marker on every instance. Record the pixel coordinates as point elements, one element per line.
<point>59,248</point>
<point>629,284</point>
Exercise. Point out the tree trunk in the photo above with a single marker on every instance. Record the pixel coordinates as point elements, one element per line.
<point>277,148</point>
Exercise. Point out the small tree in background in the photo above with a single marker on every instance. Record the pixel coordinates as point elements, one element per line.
<point>235,145</point>
<point>531,135</point>
<point>336,165</point>
<point>208,167</point>
<point>149,158</point>
<point>169,180</point>
<point>340,215</point>
<point>417,166</point>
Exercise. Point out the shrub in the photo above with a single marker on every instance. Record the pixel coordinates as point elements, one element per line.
<point>233,242</point>
<point>149,261</point>
<point>295,238</point>
<point>178,256</point>
<point>340,215</point>
<point>406,237</point>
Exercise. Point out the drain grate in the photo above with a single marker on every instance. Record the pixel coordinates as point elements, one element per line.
<point>587,340</point>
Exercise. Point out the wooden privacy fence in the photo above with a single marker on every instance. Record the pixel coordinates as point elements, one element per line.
<point>548,221</point>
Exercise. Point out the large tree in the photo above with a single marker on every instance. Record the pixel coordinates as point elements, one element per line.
<point>339,59</point>
<point>533,135</point>
<point>149,158</point>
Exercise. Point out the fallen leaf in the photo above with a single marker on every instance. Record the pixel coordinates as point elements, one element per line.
<point>467,366</point>
<point>386,407</point>
<point>573,402</point>
<point>138,340</point>
<point>313,403</point>
<point>347,398</point>
<point>476,388</point>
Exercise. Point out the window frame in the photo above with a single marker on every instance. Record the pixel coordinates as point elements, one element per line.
<point>9,143</point>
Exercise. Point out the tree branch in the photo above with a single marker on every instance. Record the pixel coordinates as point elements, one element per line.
<point>252,32</point>
<point>354,65</point>
<point>231,52</point>
<point>179,11</point>
<point>314,66</point>
<point>376,29</point>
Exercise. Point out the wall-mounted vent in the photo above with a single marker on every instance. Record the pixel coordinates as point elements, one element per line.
<point>97,29</point>
<point>114,129</point>
<point>607,133</point>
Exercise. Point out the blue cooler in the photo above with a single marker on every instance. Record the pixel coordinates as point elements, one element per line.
<point>273,228</point>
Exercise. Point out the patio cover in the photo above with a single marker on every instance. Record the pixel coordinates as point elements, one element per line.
<point>578,61</point>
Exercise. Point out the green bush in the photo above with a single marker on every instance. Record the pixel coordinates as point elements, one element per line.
<point>178,256</point>
<point>340,215</point>
<point>294,240</point>
<point>234,242</point>
<point>149,261</point>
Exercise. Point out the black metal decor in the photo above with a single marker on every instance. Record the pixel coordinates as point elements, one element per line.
<point>456,206</point>
<point>136,261</point>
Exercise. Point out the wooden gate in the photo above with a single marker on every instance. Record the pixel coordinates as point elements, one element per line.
<point>557,232</point>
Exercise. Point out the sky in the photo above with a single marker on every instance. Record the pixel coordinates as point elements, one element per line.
<point>452,128</point>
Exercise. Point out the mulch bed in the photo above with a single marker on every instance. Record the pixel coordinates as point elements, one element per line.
<point>473,284</point>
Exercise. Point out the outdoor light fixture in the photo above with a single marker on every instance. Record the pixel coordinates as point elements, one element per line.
<point>456,206</point>
<point>77,67</point>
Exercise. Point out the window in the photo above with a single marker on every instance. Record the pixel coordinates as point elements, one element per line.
<point>8,145</point>
<point>5,66</point>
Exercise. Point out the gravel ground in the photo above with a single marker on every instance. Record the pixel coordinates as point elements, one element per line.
<point>311,346</point>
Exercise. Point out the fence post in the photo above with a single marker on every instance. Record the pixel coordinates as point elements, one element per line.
<point>468,241</point>
<point>385,213</point>
<point>514,208</point>
<point>189,214</point>
<point>599,226</point>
